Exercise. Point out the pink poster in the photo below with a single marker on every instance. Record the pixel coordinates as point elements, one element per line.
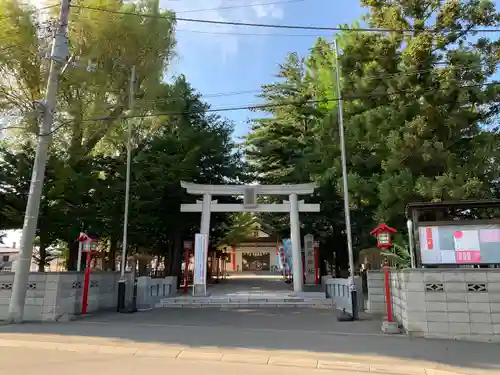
<point>489,235</point>
<point>467,246</point>
<point>468,256</point>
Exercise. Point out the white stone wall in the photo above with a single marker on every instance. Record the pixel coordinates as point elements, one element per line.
<point>375,303</point>
<point>152,291</point>
<point>58,295</point>
<point>338,290</point>
<point>461,304</point>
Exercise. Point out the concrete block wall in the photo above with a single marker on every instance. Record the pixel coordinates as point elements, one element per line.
<point>399,284</point>
<point>58,295</point>
<point>152,291</point>
<point>375,303</point>
<point>460,304</point>
<point>36,304</point>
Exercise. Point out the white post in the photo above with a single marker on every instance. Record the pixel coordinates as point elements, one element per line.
<point>204,229</point>
<point>80,249</point>
<point>205,214</point>
<point>295,237</point>
<point>409,225</point>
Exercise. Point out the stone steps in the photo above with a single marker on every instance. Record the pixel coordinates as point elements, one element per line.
<point>247,301</point>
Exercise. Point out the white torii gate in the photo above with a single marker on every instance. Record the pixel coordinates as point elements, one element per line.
<point>250,192</point>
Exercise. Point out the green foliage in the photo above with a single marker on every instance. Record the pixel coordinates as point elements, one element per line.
<point>398,256</point>
<point>420,115</point>
<point>85,178</point>
<point>242,227</point>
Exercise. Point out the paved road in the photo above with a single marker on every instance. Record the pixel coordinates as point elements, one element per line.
<point>201,341</point>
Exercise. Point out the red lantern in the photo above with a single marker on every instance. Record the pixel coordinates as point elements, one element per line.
<point>383,234</point>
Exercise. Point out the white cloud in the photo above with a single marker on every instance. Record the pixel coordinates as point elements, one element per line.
<point>219,36</point>
<point>271,10</point>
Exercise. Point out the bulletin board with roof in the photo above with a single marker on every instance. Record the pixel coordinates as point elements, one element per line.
<point>454,234</point>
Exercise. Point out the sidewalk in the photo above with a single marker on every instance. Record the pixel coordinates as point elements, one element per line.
<point>209,340</point>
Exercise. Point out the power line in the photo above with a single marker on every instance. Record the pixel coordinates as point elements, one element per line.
<point>248,24</point>
<point>364,79</point>
<point>251,34</point>
<point>275,105</point>
<point>258,91</point>
<point>252,107</point>
<point>240,6</point>
<point>229,33</point>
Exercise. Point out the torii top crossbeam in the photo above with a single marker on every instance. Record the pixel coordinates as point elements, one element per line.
<point>199,189</point>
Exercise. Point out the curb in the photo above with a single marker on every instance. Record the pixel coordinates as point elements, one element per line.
<point>255,359</point>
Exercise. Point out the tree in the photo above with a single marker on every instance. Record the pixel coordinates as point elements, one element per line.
<point>44,256</point>
<point>419,113</point>
<point>242,227</point>
<point>103,94</point>
<point>282,148</point>
<point>190,145</point>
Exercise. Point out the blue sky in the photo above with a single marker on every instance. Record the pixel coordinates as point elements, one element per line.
<point>215,60</point>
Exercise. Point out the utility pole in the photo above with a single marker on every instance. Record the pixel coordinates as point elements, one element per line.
<point>352,273</point>
<point>122,283</point>
<point>58,57</point>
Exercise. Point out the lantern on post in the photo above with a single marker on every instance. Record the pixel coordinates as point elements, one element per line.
<point>89,247</point>
<point>383,235</point>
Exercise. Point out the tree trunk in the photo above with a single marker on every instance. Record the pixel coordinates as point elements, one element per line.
<point>73,256</point>
<point>170,257</point>
<point>42,255</point>
<point>113,247</point>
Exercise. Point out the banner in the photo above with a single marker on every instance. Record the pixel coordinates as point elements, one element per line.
<point>200,259</point>
<point>309,266</point>
<point>287,246</point>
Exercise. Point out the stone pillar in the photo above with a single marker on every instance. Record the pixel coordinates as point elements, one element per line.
<point>310,270</point>
<point>295,237</point>
<point>200,289</point>
<point>144,293</point>
<point>205,214</point>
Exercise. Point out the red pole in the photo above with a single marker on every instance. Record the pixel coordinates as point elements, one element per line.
<point>387,292</point>
<point>86,282</point>
<point>186,272</point>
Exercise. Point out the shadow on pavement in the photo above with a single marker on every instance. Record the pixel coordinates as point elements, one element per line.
<point>295,331</point>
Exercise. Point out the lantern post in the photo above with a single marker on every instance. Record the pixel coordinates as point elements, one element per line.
<point>383,235</point>
<point>89,247</point>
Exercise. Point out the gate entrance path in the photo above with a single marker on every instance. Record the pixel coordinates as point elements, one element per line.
<point>252,289</point>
